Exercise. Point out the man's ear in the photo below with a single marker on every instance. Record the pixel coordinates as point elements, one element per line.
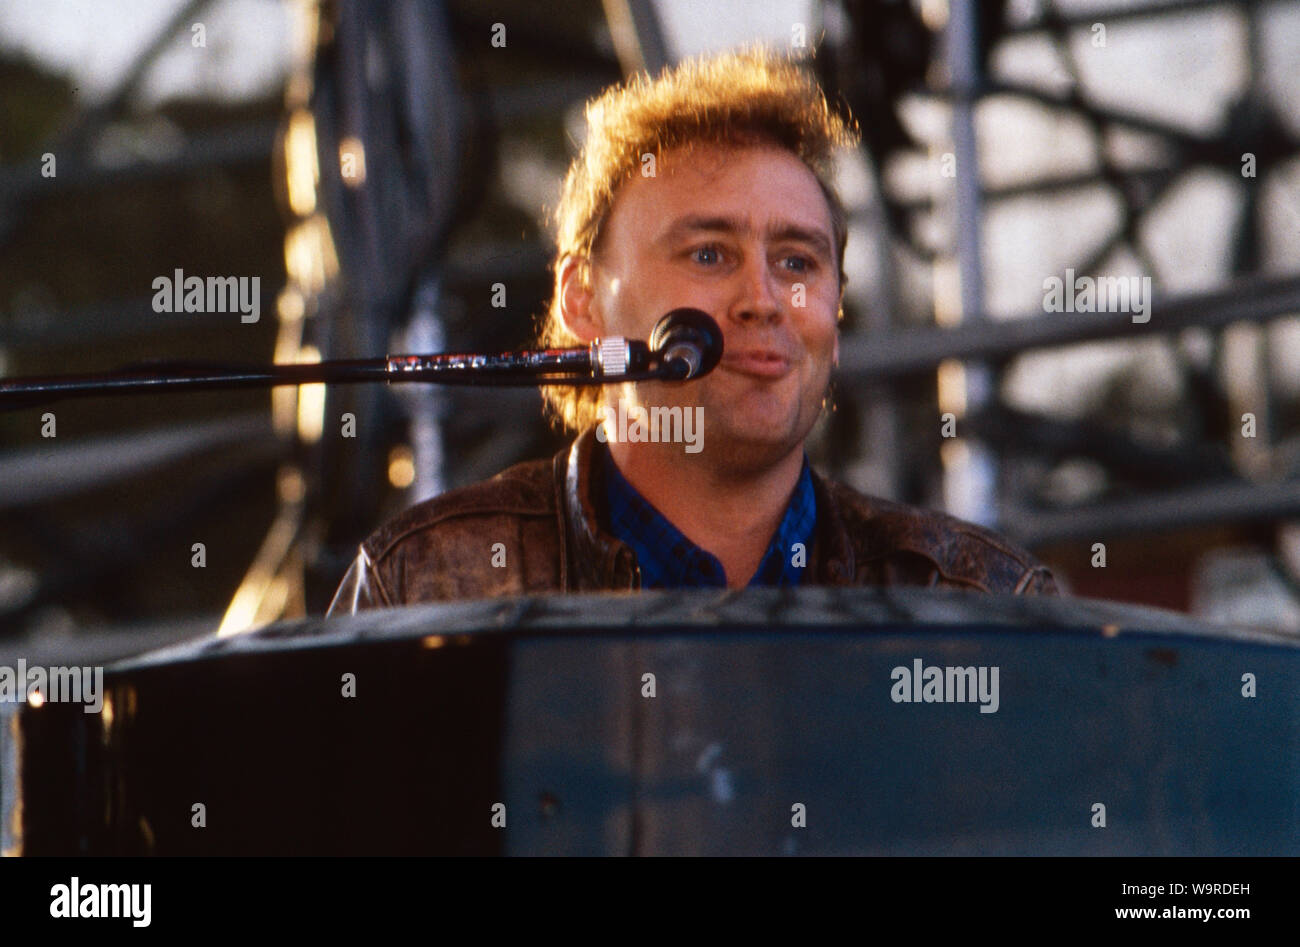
<point>576,293</point>
<point>835,352</point>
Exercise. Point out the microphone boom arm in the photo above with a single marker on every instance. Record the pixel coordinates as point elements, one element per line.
<point>511,369</point>
<point>603,362</point>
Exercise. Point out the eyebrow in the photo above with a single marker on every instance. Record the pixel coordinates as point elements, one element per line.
<point>699,223</point>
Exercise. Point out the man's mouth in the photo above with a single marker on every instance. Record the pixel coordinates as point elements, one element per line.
<point>758,362</point>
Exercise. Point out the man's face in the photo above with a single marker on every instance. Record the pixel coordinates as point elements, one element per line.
<point>745,235</point>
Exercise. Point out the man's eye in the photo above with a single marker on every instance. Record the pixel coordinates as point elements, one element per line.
<point>706,255</point>
<point>798,264</point>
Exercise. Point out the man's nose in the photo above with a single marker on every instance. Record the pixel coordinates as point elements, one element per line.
<point>758,293</point>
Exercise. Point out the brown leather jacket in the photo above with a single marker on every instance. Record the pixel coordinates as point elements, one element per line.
<point>534,528</point>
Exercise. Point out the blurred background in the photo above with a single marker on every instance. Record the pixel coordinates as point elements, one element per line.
<point>386,167</point>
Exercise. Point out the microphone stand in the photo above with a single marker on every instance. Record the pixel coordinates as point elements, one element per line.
<point>685,343</point>
<point>604,361</point>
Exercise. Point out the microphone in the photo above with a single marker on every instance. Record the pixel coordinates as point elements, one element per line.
<point>688,344</point>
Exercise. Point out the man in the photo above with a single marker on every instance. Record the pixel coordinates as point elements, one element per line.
<point>707,188</point>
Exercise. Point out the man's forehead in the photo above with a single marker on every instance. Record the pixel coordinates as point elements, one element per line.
<point>765,199</point>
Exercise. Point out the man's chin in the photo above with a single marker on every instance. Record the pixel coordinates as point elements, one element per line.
<point>751,445</point>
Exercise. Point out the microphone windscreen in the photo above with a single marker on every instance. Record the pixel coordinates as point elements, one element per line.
<point>689,327</point>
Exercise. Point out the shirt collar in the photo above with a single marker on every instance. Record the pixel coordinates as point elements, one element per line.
<point>667,559</point>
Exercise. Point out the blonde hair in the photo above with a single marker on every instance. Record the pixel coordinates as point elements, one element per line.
<point>749,97</point>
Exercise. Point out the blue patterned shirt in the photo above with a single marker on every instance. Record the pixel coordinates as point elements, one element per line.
<point>668,559</point>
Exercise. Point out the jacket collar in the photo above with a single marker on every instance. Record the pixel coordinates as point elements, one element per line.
<point>591,558</point>
<point>595,559</point>
<point>832,560</point>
